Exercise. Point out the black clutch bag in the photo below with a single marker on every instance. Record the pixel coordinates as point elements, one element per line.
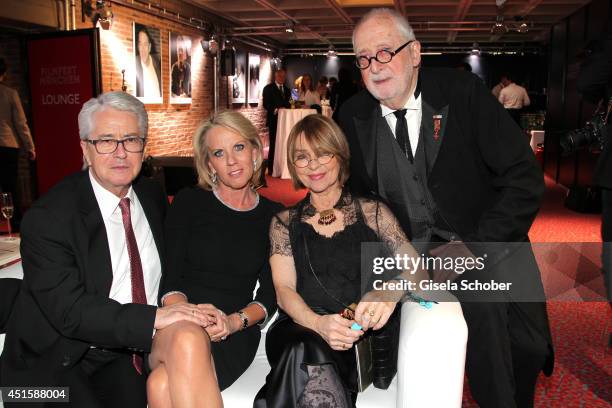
<point>376,353</point>
<point>385,344</point>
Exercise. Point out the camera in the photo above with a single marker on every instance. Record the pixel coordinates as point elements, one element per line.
<point>591,135</point>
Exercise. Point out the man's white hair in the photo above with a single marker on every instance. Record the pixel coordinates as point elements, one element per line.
<point>117,100</point>
<point>400,22</point>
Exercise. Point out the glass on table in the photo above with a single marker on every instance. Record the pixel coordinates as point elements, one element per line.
<point>7,208</point>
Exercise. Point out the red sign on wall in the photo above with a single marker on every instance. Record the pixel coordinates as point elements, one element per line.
<point>64,73</point>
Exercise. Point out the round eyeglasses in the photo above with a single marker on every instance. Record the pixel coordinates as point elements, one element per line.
<point>382,56</point>
<point>303,161</point>
<point>133,144</point>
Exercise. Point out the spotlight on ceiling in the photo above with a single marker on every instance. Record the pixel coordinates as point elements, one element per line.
<point>289,27</point>
<point>212,46</point>
<point>475,49</point>
<point>99,11</point>
<point>499,27</point>
<point>521,25</point>
<point>331,52</point>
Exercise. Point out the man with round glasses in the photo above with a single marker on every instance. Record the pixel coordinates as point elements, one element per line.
<point>453,167</point>
<point>92,251</point>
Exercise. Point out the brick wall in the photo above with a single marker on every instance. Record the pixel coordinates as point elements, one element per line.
<point>170,126</point>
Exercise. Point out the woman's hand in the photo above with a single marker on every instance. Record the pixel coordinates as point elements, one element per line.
<point>372,312</point>
<point>337,332</point>
<point>221,328</point>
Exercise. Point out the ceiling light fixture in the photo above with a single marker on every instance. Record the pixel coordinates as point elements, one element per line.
<point>289,27</point>
<point>475,49</point>
<point>499,27</point>
<point>99,11</point>
<point>331,52</point>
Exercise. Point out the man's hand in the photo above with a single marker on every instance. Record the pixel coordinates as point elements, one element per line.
<point>453,250</point>
<point>168,315</point>
<point>337,332</point>
<point>32,154</point>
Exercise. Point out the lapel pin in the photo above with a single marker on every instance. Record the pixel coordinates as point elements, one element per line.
<point>437,119</point>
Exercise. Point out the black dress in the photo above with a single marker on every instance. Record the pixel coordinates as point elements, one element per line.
<point>216,255</point>
<point>336,261</point>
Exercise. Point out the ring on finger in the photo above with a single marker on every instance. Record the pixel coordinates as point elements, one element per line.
<point>371,313</point>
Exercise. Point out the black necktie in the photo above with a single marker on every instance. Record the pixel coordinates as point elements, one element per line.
<point>401,133</point>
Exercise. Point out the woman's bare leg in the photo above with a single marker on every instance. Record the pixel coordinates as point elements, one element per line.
<point>158,392</point>
<point>184,351</point>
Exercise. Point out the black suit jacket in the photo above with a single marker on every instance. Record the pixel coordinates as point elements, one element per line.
<point>63,307</point>
<point>273,99</point>
<point>484,178</point>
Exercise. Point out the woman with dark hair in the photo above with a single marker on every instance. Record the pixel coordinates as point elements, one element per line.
<point>307,93</point>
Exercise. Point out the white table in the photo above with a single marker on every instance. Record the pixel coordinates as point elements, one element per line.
<point>10,267</point>
<point>287,118</point>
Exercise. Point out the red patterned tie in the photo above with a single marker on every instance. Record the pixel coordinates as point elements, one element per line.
<point>138,288</point>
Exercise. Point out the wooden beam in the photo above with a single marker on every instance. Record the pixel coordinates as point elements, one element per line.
<point>340,11</point>
<point>529,7</point>
<point>270,6</point>
<point>460,13</point>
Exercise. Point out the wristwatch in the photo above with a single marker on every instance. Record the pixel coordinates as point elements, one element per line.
<point>245,319</point>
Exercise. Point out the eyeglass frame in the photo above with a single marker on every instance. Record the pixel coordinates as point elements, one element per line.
<point>375,57</point>
<point>95,142</point>
<point>330,155</point>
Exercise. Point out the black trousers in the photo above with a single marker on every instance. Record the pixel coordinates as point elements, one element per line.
<point>505,353</point>
<point>272,122</point>
<point>103,379</point>
<point>606,236</point>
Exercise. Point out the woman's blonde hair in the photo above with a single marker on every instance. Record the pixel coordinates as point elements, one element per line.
<point>323,136</point>
<point>235,122</point>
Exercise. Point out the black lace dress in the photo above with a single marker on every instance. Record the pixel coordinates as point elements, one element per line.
<point>336,263</point>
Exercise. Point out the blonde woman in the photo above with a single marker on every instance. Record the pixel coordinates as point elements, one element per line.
<point>217,251</point>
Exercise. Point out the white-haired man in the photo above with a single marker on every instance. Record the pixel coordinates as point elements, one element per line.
<point>453,167</point>
<point>92,253</point>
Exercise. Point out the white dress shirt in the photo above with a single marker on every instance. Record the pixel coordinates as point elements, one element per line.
<point>309,97</point>
<point>414,114</point>
<point>121,288</point>
<point>514,96</point>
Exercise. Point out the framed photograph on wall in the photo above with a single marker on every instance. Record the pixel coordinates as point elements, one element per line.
<point>180,68</point>
<point>147,63</point>
<point>253,89</point>
<point>238,81</point>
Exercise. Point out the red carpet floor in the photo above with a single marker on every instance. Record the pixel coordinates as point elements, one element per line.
<point>580,330</point>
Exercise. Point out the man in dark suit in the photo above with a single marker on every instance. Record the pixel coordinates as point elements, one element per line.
<point>92,252</point>
<point>275,96</point>
<point>456,171</point>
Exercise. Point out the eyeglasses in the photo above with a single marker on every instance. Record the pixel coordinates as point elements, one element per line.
<point>133,144</point>
<point>302,161</point>
<point>382,56</point>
